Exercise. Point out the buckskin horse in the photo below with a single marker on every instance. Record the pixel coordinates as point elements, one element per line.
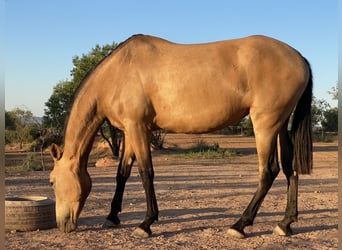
<point>148,83</point>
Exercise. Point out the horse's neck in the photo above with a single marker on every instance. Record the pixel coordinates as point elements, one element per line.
<point>83,123</point>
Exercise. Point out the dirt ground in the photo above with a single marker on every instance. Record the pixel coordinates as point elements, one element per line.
<point>198,200</point>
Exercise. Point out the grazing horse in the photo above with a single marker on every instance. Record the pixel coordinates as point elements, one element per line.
<point>148,83</point>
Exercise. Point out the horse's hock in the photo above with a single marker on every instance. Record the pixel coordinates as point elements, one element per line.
<point>29,213</point>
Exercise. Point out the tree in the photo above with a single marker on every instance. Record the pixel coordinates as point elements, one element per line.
<point>60,101</point>
<point>330,122</point>
<point>9,126</point>
<point>9,121</point>
<point>58,106</point>
<point>85,63</point>
<point>19,124</point>
<point>323,116</point>
<point>334,92</point>
<point>319,107</point>
<point>112,136</point>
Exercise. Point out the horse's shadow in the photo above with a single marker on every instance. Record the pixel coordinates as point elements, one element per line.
<point>186,215</point>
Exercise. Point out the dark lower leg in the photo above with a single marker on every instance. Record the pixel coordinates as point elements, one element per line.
<point>123,173</point>
<point>250,212</point>
<point>141,148</point>
<point>117,199</point>
<point>291,211</point>
<point>268,175</point>
<point>152,207</point>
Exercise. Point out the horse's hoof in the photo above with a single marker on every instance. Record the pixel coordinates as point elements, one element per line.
<point>235,233</point>
<point>140,233</point>
<point>279,231</point>
<point>109,224</point>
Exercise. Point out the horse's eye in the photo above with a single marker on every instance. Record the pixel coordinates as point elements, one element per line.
<point>51,183</point>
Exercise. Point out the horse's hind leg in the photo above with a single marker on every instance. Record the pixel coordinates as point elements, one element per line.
<point>291,212</point>
<point>268,170</point>
<point>124,170</point>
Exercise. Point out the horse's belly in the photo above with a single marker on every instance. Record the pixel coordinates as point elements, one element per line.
<point>198,105</point>
<point>200,120</point>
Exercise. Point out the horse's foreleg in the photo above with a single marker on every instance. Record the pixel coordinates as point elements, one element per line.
<point>123,173</point>
<point>268,171</point>
<point>291,212</point>
<point>141,147</point>
<point>144,229</point>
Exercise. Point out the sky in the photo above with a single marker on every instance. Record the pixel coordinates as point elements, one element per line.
<point>42,37</point>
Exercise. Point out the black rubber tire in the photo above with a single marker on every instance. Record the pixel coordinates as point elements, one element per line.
<point>29,213</point>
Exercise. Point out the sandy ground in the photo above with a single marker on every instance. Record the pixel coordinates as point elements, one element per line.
<point>198,200</point>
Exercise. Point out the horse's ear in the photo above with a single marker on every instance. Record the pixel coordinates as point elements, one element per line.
<point>55,152</point>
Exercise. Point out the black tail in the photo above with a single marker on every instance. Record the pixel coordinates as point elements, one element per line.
<point>302,131</point>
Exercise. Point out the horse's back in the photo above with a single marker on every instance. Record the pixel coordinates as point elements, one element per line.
<point>203,87</point>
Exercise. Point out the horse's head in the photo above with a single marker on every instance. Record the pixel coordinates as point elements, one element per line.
<point>72,185</point>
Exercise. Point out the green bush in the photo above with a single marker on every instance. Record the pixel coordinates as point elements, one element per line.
<point>203,150</point>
